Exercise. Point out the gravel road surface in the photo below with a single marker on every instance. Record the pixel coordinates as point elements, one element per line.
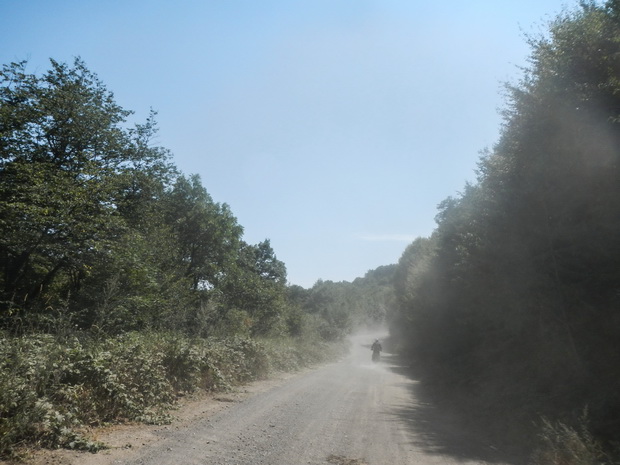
<point>353,412</point>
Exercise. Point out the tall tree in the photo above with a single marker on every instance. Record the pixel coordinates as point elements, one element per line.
<point>63,153</point>
<point>208,235</point>
<point>256,286</point>
<point>523,279</point>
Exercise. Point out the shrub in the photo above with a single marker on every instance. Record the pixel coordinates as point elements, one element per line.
<point>562,444</point>
<point>31,373</point>
<point>52,389</point>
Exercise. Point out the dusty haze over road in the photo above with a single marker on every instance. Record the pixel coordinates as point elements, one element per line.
<point>353,412</point>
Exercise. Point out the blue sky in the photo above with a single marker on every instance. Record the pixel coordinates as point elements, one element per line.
<point>331,127</point>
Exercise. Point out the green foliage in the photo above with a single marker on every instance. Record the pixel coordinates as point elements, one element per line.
<point>122,283</point>
<point>374,296</point>
<point>513,300</point>
<point>208,236</point>
<point>94,220</point>
<point>255,286</point>
<point>52,389</point>
<point>31,380</point>
<point>339,308</point>
<point>62,155</point>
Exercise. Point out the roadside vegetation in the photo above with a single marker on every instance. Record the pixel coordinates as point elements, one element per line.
<point>53,390</point>
<point>513,303</point>
<point>123,284</point>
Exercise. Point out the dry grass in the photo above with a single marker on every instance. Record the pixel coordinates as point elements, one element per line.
<point>565,445</point>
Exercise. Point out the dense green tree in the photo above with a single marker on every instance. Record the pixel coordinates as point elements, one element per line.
<point>255,286</point>
<point>99,230</point>
<point>97,223</point>
<point>374,296</point>
<point>521,278</point>
<point>63,154</point>
<point>342,307</point>
<point>331,302</point>
<point>207,234</point>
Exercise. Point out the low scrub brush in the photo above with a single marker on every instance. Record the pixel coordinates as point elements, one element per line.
<point>562,444</point>
<point>52,390</point>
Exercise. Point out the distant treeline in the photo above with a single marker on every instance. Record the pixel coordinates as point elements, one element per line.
<point>515,298</point>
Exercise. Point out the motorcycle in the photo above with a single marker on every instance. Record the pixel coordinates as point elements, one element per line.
<point>376,351</point>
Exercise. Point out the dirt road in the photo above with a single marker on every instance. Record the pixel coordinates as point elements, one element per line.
<point>353,412</point>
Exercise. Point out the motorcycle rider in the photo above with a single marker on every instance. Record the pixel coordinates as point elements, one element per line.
<point>376,350</point>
